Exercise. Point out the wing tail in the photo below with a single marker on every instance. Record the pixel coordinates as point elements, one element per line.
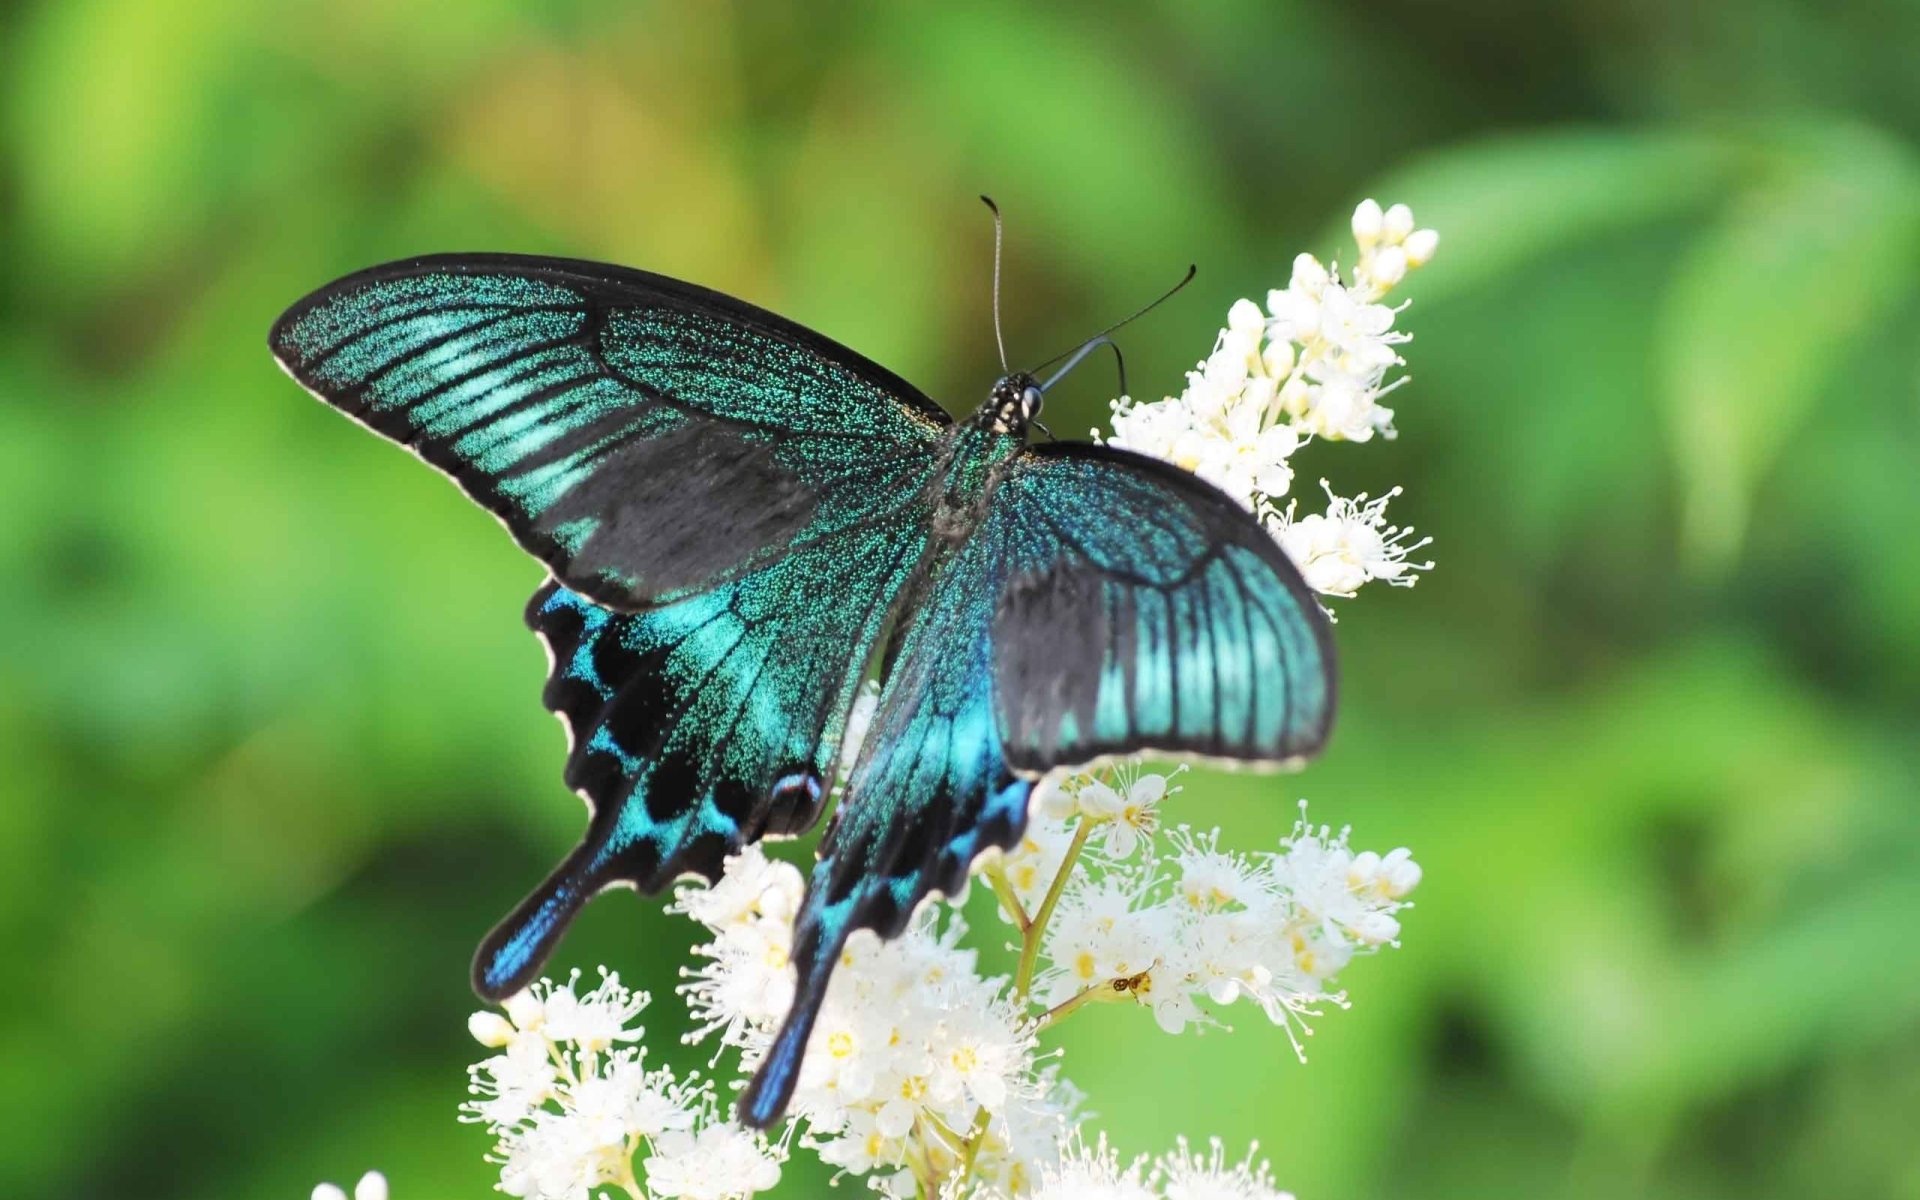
<point>819,936</point>
<point>513,953</point>
<point>930,793</point>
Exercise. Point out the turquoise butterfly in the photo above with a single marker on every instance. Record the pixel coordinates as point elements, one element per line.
<point>743,521</point>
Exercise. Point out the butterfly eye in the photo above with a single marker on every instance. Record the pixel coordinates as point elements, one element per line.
<point>1031,399</point>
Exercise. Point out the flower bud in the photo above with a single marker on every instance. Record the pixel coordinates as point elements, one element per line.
<point>1367,222</point>
<point>1396,224</point>
<point>1277,358</point>
<point>1420,245</point>
<point>1245,318</point>
<point>1399,873</point>
<point>489,1028</point>
<point>525,1010</point>
<point>1100,802</point>
<point>1389,266</point>
<point>1308,275</point>
<point>1052,800</point>
<point>1376,928</point>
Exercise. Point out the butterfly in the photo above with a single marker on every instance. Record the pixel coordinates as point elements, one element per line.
<point>742,522</point>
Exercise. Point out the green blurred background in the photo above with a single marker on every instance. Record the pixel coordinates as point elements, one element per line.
<point>274,756</point>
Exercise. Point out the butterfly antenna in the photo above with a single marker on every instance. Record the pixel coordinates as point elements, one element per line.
<point>1081,350</point>
<point>998,340</point>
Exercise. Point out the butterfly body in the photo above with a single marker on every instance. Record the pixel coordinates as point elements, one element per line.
<point>743,521</point>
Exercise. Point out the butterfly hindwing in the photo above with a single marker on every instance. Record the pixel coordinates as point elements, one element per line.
<point>1140,608</point>
<point>704,724</point>
<point>642,437</point>
<point>1107,603</point>
<point>929,793</point>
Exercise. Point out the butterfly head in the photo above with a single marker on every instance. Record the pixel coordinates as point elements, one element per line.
<point>1013,404</point>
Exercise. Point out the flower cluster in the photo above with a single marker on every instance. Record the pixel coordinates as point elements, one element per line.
<point>1312,364</point>
<point>917,1062</point>
<point>1084,1172</point>
<point>922,1068</point>
<point>1171,922</point>
<point>573,1106</point>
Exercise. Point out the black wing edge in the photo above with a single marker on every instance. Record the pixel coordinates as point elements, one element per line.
<point>606,285</point>
<point>1225,515</point>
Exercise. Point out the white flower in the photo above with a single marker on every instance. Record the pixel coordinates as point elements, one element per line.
<point>1349,544</point>
<point>1389,877</point>
<point>512,1085</point>
<point>1127,814</point>
<point>1185,1175</point>
<point>570,1103</point>
<point>1313,365</point>
<point>1210,879</point>
<point>1107,927</point>
<point>911,1037</point>
<point>596,1020</point>
<point>1031,865</point>
<point>744,981</point>
<point>859,721</point>
<point>1093,1173</point>
<point>719,1162</point>
<point>751,885</point>
<point>372,1186</point>
<point>1243,457</point>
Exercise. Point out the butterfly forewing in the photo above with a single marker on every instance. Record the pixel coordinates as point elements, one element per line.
<point>642,437</point>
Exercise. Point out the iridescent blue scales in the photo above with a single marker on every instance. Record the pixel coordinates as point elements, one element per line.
<point>743,520</point>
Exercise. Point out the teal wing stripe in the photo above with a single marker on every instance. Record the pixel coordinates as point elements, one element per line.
<point>1142,608</point>
<point>643,438</point>
<point>706,723</point>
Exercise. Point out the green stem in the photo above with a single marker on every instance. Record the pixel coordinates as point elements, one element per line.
<point>1037,929</point>
<point>1009,899</point>
<point>1106,989</point>
<point>1032,930</point>
<point>972,1149</point>
<point>925,1185</point>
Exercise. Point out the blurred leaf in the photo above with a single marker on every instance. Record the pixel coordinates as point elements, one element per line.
<point>1765,308</point>
<point>1509,204</point>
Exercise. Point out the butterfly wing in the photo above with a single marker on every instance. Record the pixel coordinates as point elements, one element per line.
<point>930,791</point>
<point>706,723</point>
<point>644,438</point>
<point>1107,604</point>
<point>1141,608</point>
<point>728,503</point>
